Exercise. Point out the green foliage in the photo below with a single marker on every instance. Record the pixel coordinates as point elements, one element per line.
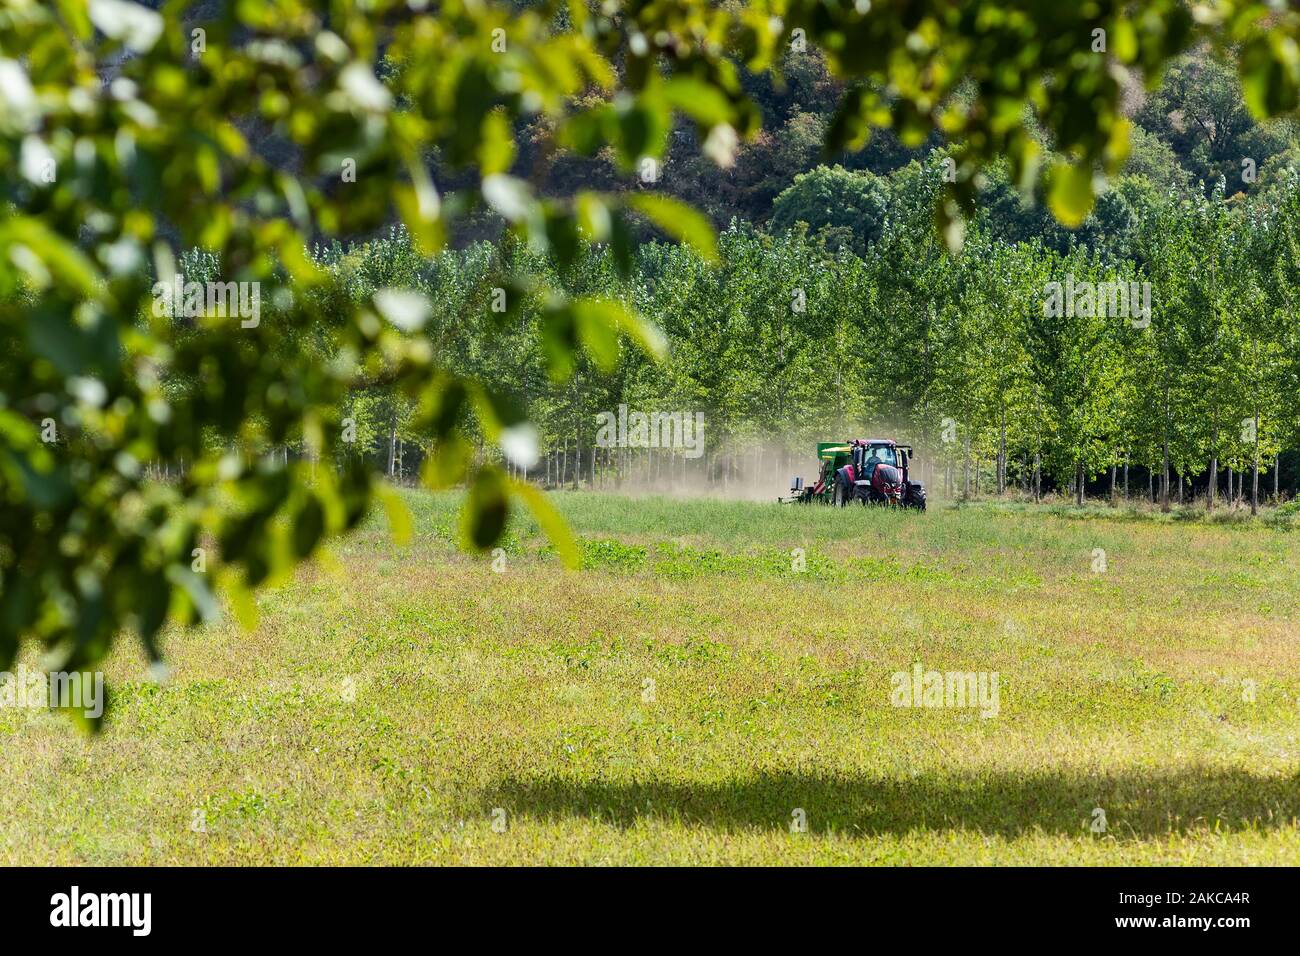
<point>126,137</point>
<point>834,198</point>
<point>909,336</point>
<point>1200,112</point>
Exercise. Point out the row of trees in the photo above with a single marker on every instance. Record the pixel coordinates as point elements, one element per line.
<point>790,339</point>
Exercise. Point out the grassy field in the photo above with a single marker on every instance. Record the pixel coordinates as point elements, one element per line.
<point>691,697</point>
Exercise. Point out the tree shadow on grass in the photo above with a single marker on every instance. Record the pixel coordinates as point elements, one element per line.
<point>1136,804</point>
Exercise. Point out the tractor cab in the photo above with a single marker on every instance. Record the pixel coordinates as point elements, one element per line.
<point>868,454</point>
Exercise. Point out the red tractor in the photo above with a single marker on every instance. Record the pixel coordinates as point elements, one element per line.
<point>873,471</point>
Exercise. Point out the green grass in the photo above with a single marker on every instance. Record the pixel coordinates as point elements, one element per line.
<point>678,699</point>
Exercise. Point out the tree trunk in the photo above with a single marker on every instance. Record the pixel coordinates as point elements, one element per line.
<point>1078,481</point>
<point>1002,453</point>
<point>1254,471</point>
<point>1164,476</point>
<point>577,432</point>
<point>1213,490</point>
<point>392,446</point>
<point>1113,469</point>
<point>966,467</point>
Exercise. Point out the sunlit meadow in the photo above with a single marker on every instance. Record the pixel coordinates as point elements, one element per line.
<point>714,686</point>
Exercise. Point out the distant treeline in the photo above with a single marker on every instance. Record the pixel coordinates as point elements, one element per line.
<point>1167,357</point>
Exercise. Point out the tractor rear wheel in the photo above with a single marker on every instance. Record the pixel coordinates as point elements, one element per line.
<point>840,497</point>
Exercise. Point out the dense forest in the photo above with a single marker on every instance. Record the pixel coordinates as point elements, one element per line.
<point>837,310</point>
<point>1187,134</point>
<point>792,339</point>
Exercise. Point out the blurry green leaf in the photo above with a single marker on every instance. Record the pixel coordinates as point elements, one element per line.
<point>622,244</point>
<point>195,587</point>
<point>1124,41</point>
<point>441,406</point>
<point>587,131</point>
<point>152,597</point>
<point>497,409</point>
<point>308,527</point>
<point>1270,75</point>
<point>598,333</point>
<point>549,519</point>
<point>75,16</point>
<point>89,712</point>
<point>593,217</point>
<point>496,152</point>
<point>243,603</point>
<point>592,313</point>
<point>420,218</point>
<point>678,220</point>
<point>847,128</point>
<point>509,197</point>
<point>483,518</point>
<point>635,126</point>
<point>1070,194</point>
<point>562,236</point>
<point>705,104</point>
<point>65,262</point>
<point>405,308</point>
<point>448,463</point>
<point>399,519</point>
<point>559,341</point>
